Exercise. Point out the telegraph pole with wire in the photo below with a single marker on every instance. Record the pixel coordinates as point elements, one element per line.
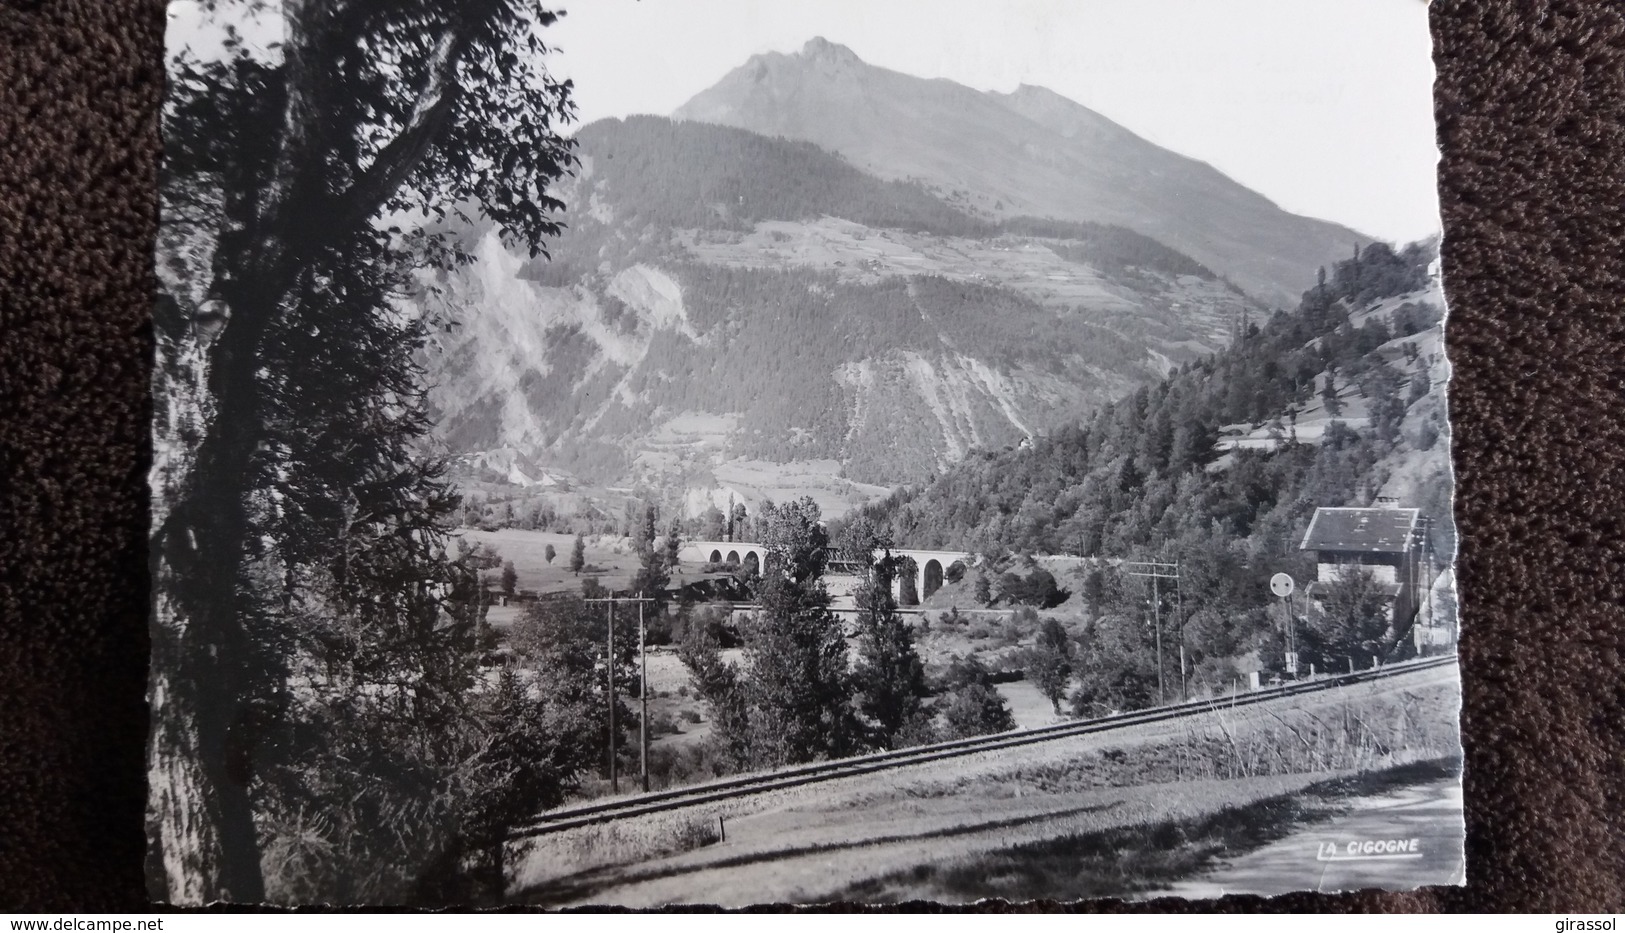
<point>1179,613</point>
<point>1156,571</point>
<point>643,690</point>
<point>643,699</point>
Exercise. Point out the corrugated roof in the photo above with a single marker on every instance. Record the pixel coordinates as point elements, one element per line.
<point>1381,531</point>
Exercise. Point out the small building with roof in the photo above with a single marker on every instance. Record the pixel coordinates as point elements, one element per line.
<point>1384,541</point>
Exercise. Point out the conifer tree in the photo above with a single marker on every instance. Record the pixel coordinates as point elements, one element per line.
<point>797,681</point>
<point>889,678</point>
<point>1051,666</point>
<point>972,705</point>
<point>1328,394</point>
<point>674,544</point>
<point>653,574</point>
<point>984,589</point>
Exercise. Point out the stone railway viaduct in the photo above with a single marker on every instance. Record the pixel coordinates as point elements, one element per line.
<point>930,567</point>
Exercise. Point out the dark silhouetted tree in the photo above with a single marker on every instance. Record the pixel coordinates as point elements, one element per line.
<point>1119,671</point>
<point>1050,665</point>
<point>674,544</point>
<point>1329,395</point>
<point>288,163</point>
<point>711,524</point>
<point>652,577</point>
<point>889,678</point>
<point>971,704</point>
<point>797,681</point>
<point>1354,617</point>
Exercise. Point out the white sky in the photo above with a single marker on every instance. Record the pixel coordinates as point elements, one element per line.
<point>1324,106</point>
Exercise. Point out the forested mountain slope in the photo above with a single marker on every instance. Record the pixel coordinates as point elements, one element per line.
<point>1217,469</point>
<point>1226,459</point>
<point>720,295</point>
<point>1027,152</point>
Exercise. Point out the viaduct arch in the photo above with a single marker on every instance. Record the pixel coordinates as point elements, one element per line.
<point>930,567</point>
<point>930,570</point>
<point>744,553</point>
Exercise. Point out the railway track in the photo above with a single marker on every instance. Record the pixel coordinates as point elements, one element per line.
<point>746,785</point>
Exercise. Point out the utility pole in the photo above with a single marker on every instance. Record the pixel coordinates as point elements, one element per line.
<point>1160,570</point>
<point>1156,623</point>
<point>1425,555</point>
<point>643,690</point>
<point>1179,612</point>
<point>643,700</point>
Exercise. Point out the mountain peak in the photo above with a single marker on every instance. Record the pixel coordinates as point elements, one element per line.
<point>819,48</point>
<point>1031,151</point>
<point>1060,113</point>
<point>1038,91</point>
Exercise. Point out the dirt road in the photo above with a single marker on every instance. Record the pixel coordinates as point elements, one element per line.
<point>1423,823</point>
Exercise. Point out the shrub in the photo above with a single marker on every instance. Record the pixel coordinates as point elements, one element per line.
<point>1036,589</point>
<point>1429,435</point>
<point>976,709</point>
<point>676,765</point>
<point>966,670</point>
<point>1024,619</point>
<point>697,832</point>
<point>921,729</point>
<point>984,590</point>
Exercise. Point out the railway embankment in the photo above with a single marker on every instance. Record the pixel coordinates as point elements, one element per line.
<point>1188,788</point>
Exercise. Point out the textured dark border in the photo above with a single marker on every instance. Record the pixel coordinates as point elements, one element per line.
<point>1531,105</point>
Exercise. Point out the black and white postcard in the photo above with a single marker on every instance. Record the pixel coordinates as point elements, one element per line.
<point>739,452</point>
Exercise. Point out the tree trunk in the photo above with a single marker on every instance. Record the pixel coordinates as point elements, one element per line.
<point>201,825</point>
<point>203,669</point>
<point>201,753</point>
<point>200,756</point>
